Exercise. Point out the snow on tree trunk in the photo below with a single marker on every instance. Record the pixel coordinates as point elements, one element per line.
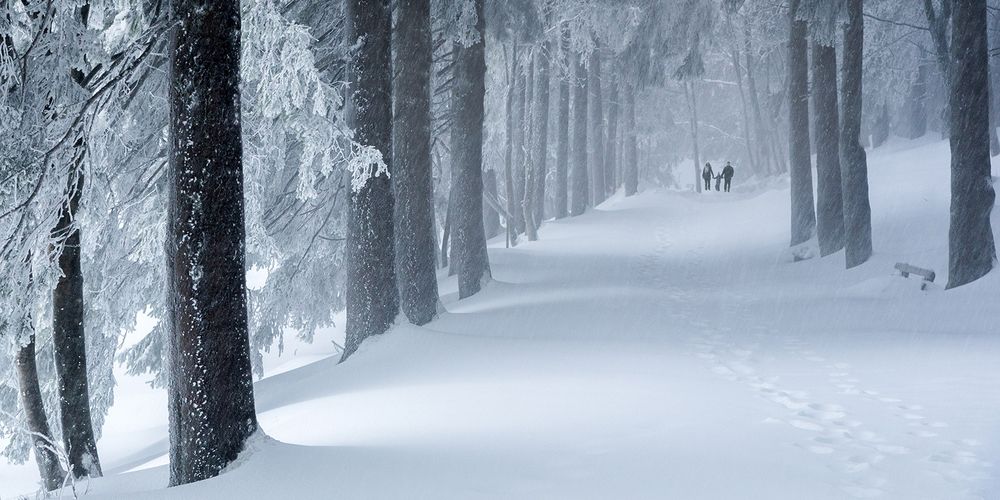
<point>211,401</point>
<point>829,189</point>
<point>520,149</point>
<point>468,94</point>
<point>30,393</point>
<point>803,214</point>
<point>597,128</point>
<point>611,149</point>
<point>526,206</point>
<point>68,335</point>
<point>412,179</point>
<point>972,251</point>
<point>580,191</point>
<point>630,167</point>
<point>853,161</point>
<point>372,296</point>
<point>541,132</point>
<point>562,152</point>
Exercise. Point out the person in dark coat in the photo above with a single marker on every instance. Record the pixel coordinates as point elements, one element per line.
<point>707,174</point>
<point>727,175</point>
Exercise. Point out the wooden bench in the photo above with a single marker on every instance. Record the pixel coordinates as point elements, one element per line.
<point>906,270</point>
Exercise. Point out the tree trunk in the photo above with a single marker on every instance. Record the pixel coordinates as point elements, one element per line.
<point>468,94</point>
<point>491,217</point>
<point>527,212</point>
<point>541,131</point>
<point>744,110</point>
<point>597,128</point>
<point>611,152</point>
<point>972,251</point>
<point>562,153</point>
<point>853,161</point>
<point>693,109</point>
<point>68,334</point>
<point>630,163</point>
<point>42,441</point>
<point>917,103</point>
<point>520,150</point>
<point>803,214</point>
<point>579,178</point>
<point>829,187</point>
<point>211,401</point>
<point>412,178</point>
<point>509,154</point>
<point>372,295</point>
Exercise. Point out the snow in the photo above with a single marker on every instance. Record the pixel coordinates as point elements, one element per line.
<point>661,346</point>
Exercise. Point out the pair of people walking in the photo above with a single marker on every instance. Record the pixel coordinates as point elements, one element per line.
<point>726,175</point>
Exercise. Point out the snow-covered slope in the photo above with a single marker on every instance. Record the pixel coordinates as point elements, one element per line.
<point>662,346</point>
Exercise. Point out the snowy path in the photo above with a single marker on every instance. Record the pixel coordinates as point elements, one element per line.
<point>662,346</point>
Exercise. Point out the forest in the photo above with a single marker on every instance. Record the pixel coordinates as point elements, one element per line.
<point>684,249</point>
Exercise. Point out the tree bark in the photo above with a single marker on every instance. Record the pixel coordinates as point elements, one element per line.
<point>917,103</point>
<point>491,218</point>
<point>68,334</point>
<point>611,154</point>
<point>30,393</point>
<point>829,184</point>
<point>211,399</point>
<point>693,109</point>
<point>630,162</point>
<point>598,193</point>
<point>412,178</point>
<point>509,154</point>
<point>580,187</point>
<point>520,150</point>
<point>468,94</point>
<point>562,153</point>
<point>541,132</point>
<point>972,250</point>
<point>853,161</point>
<point>803,213</point>
<point>372,296</point>
<point>526,208</point>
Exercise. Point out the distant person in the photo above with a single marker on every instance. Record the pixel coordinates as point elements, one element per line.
<point>727,174</point>
<point>718,181</point>
<point>707,174</point>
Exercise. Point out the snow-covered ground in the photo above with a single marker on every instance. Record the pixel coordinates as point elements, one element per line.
<point>662,346</point>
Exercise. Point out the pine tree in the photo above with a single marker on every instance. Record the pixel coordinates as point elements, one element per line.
<point>412,179</point>
<point>468,95</point>
<point>803,217</point>
<point>211,401</point>
<point>972,251</point>
<point>853,161</point>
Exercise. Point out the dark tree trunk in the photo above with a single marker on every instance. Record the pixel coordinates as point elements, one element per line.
<point>468,94</point>
<point>937,20</point>
<point>693,111</point>
<point>509,154</point>
<point>880,131</point>
<point>526,207</point>
<point>854,162</point>
<point>744,110</point>
<point>630,163</point>
<point>611,151</point>
<point>597,128</point>
<point>829,187</point>
<point>562,153</point>
<point>520,150</point>
<point>579,178</point>
<point>445,237</point>
<point>42,441</point>
<point>972,251</point>
<point>803,216</point>
<point>917,103</point>
<point>412,179</point>
<point>541,133</point>
<point>372,296</point>
<point>491,217</point>
<point>68,335</point>
<point>211,399</point>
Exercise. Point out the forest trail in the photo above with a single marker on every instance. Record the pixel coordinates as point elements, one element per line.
<point>661,346</point>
